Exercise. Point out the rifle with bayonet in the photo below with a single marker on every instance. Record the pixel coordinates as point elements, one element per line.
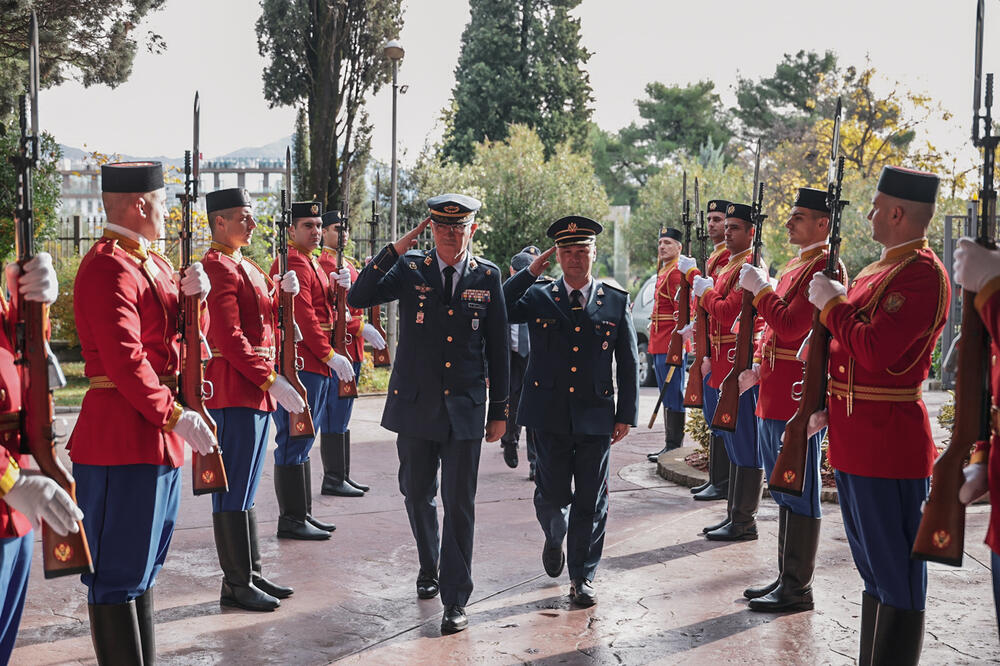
<point>208,471</point>
<point>941,536</point>
<point>380,357</point>
<point>789,471</point>
<point>727,411</point>
<point>694,394</point>
<point>61,556</point>
<point>289,361</point>
<point>341,338</point>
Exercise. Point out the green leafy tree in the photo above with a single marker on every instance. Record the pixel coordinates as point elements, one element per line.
<point>521,62</point>
<point>327,56</point>
<point>45,180</point>
<point>300,154</point>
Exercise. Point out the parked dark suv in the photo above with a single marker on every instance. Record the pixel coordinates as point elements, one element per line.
<point>642,308</point>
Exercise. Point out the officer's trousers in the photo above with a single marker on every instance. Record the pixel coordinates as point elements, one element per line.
<point>242,434</point>
<point>129,512</point>
<point>742,444</point>
<point>710,399</point>
<point>15,565</point>
<point>458,459</point>
<point>673,397</point>
<point>337,411</point>
<point>881,518</point>
<point>769,432</point>
<point>295,450</point>
<point>518,366</point>
<point>571,496</point>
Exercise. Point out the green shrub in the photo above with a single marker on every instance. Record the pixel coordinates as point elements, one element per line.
<point>61,312</point>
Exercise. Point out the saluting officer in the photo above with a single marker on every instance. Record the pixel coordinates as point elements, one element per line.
<point>722,298</point>
<point>578,326</point>
<point>884,329</point>
<point>717,486</point>
<point>125,303</point>
<point>314,321</point>
<point>245,389</point>
<point>788,316</point>
<point>24,499</point>
<point>662,322</point>
<point>335,442</point>
<point>452,341</point>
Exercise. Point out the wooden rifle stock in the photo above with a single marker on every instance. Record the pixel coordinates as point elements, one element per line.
<point>729,392</point>
<point>380,357</point>
<point>348,389</point>
<point>301,424</point>
<point>675,350</point>
<point>694,395</point>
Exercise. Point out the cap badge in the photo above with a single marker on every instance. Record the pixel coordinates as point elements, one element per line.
<point>451,209</point>
<point>571,227</point>
<point>314,209</point>
<point>731,209</point>
<point>712,206</point>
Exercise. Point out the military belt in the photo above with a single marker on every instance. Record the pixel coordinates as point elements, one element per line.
<point>266,353</point>
<point>772,353</point>
<point>326,327</point>
<point>10,421</point>
<point>875,393</point>
<point>103,382</point>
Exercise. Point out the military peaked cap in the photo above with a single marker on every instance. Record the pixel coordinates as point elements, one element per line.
<point>738,211</point>
<point>670,232</point>
<point>235,197</point>
<point>132,177</point>
<point>717,206</point>
<point>812,199</point>
<point>908,184</point>
<point>306,209</point>
<point>331,217</point>
<point>523,259</point>
<point>453,208</point>
<point>574,230</point>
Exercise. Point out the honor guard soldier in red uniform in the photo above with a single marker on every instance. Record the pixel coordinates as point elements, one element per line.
<point>788,317</point>
<point>884,329</point>
<point>25,498</point>
<point>128,482</point>
<point>335,442</point>
<point>314,320</point>
<point>978,270</point>
<point>722,298</point>
<point>717,486</point>
<point>245,388</point>
<point>452,341</point>
<point>661,327</point>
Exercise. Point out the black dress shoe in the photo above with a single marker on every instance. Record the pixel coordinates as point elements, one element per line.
<point>427,585</point>
<point>553,559</point>
<point>454,619</point>
<point>582,593</point>
<point>510,454</point>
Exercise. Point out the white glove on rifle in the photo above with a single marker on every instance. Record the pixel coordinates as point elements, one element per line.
<point>701,285</point>
<point>342,277</point>
<point>975,265</point>
<point>753,279</point>
<point>976,483</point>
<point>194,281</point>
<point>822,290</point>
<point>286,396</point>
<point>193,429</point>
<point>342,367</point>
<point>685,263</point>
<point>288,283</point>
<point>37,282</point>
<point>40,498</point>
<point>687,332</point>
<point>373,337</point>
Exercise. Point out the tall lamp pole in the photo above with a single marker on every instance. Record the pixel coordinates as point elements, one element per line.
<point>393,50</point>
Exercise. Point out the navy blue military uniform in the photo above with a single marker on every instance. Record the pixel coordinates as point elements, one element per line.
<point>437,397</point>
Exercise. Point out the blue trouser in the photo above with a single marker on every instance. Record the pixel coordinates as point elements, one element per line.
<point>15,565</point>
<point>338,410</point>
<point>673,397</point>
<point>418,482</point>
<point>769,432</point>
<point>881,518</point>
<point>742,444</point>
<point>995,561</point>
<point>129,513</point>
<point>710,400</point>
<point>295,450</point>
<point>242,436</point>
<point>571,496</point>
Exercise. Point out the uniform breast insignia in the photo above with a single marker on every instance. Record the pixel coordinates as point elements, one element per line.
<point>413,265</point>
<point>604,345</point>
<point>893,302</point>
<point>476,295</point>
<point>600,291</point>
<point>420,317</point>
<point>475,323</point>
<point>609,323</point>
<point>473,264</point>
<point>555,287</point>
<point>427,261</point>
<point>423,288</point>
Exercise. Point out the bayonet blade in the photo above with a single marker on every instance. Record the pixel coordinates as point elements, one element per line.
<point>835,145</point>
<point>978,79</point>
<point>195,154</point>
<point>684,193</point>
<point>288,174</point>
<point>33,76</point>
<point>756,173</point>
<point>697,196</point>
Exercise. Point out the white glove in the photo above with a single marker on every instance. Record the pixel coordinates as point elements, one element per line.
<point>289,283</point>
<point>193,429</point>
<point>40,498</point>
<point>822,290</point>
<point>817,421</point>
<point>687,332</point>
<point>342,277</point>
<point>975,265</point>
<point>753,279</point>
<point>685,263</point>
<point>976,483</point>
<point>342,367</point>
<point>195,282</point>
<point>38,281</point>
<point>373,337</point>
<point>286,396</point>
<point>749,378</point>
<point>702,284</point>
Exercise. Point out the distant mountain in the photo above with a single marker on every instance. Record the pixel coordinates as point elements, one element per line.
<point>272,151</point>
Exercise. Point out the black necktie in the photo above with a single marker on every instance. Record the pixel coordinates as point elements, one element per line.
<point>576,303</point>
<point>449,273</point>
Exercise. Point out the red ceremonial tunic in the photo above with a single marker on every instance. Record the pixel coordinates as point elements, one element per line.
<point>883,334</point>
<point>356,348</point>
<point>988,303</point>
<point>788,317</point>
<point>125,302</point>
<point>723,303</point>
<point>13,523</point>
<point>242,315</point>
<point>663,318</point>
<point>714,263</point>
<point>312,309</point>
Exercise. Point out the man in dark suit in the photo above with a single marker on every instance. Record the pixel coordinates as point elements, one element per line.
<point>577,326</point>
<point>452,340</point>
<point>519,347</point>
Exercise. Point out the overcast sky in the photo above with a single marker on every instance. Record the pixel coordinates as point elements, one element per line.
<point>212,46</point>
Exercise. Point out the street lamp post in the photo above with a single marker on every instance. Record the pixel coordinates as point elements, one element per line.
<point>393,50</point>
